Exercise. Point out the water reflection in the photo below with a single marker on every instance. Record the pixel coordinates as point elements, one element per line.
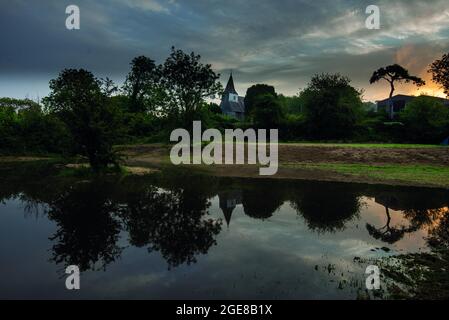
<point>417,212</point>
<point>87,231</point>
<point>169,213</point>
<point>327,208</point>
<point>173,223</point>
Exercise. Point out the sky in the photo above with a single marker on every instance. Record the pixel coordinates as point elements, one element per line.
<point>278,42</point>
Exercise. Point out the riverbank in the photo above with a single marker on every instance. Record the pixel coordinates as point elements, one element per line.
<point>400,229</point>
<point>389,164</point>
<point>401,165</point>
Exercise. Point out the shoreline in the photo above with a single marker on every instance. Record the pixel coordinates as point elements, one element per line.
<point>393,165</point>
<point>410,166</point>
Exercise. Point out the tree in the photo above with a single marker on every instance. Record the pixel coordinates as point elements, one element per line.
<point>267,113</point>
<point>291,105</point>
<point>9,128</point>
<point>395,74</point>
<point>187,82</point>
<point>25,128</point>
<point>18,104</point>
<point>426,120</point>
<point>81,101</point>
<point>40,132</point>
<point>141,83</point>
<point>253,92</point>
<point>214,108</point>
<point>331,106</point>
<point>440,72</point>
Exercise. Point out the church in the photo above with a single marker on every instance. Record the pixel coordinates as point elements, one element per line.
<point>231,103</point>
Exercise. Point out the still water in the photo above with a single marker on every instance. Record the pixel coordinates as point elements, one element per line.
<point>175,235</point>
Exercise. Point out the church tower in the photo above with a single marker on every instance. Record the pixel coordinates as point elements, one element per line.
<point>231,103</point>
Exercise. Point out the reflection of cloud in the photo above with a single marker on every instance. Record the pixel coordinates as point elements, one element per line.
<point>126,284</point>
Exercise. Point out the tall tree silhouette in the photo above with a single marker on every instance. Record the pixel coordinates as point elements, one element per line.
<point>187,82</point>
<point>141,84</point>
<point>440,72</point>
<point>256,91</point>
<point>395,74</point>
<point>81,101</point>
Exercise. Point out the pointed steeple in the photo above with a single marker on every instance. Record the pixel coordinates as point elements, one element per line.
<point>227,212</point>
<point>230,86</point>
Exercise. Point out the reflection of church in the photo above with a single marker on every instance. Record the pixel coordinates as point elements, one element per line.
<point>228,202</point>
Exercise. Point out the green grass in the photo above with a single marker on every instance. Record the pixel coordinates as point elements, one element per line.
<point>365,145</point>
<point>420,174</point>
<point>87,172</point>
<point>327,144</point>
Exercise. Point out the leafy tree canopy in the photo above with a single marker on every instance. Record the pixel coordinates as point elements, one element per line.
<point>267,113</point>
<point>187,82</point>
<point>440,72</point>
<point>81,101</point>
<point>426,119</point>
<point>332,107</point>
<point>254,92</point>
<point>141,84</point>
<point>395,74</point>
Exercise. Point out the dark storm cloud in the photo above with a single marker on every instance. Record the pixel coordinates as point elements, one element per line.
<point>282,42</point>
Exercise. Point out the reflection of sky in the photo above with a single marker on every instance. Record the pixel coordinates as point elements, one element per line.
<point>273,258</point>
<point>282,43</point>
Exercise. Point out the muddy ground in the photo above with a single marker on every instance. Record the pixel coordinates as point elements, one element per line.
<point>295,161</point>
<point>297,154</point>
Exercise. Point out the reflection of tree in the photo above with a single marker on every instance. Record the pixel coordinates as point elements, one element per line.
<point>261,201</point>
<point>422,275</point>
<point>87,231</point>
<point>327,208</point>
<point>439,232</point>
<point>387,233</point>
<point>417,218</point>
<point>168,213</point>
<point>171,223</point>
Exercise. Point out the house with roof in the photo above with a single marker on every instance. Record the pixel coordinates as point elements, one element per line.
<point>231,103</point>
<point>397,103</point>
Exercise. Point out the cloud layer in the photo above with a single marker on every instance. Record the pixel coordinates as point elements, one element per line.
<point>282,42</point>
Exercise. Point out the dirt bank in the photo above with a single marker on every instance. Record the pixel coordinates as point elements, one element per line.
<point>406,166</point>
<point>303,153</point>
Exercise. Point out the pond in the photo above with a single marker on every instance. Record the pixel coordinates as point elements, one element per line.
<point>178,235</point>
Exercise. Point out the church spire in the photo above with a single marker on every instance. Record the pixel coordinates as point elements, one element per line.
<point>230,86</point>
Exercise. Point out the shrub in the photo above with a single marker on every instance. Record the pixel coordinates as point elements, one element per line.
<point>426,120</point>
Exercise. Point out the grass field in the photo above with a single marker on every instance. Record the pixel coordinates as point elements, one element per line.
<point>419,174</point>
<point>366,145</point>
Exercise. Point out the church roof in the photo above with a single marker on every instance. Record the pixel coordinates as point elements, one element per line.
<point>230,86</point>
<point>228,106</point>
<point>231,106</point>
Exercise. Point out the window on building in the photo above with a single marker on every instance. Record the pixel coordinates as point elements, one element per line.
<point>233,97</point>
